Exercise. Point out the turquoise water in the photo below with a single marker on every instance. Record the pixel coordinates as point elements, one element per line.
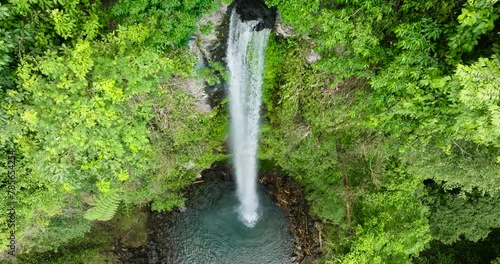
<point>209,231</point>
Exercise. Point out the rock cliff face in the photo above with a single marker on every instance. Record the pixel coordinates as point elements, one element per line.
<point>210,48</point>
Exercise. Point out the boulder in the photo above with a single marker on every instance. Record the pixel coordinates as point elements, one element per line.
<point>283,30</point>
<point>312,56</point>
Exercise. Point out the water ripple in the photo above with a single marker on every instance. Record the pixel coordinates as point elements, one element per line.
<point>211,232</point>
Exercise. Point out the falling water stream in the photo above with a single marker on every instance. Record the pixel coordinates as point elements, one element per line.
<point>245,60</point>
<point>219,225</point>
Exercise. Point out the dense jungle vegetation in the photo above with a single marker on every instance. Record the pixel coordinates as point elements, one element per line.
<point>394,132</point>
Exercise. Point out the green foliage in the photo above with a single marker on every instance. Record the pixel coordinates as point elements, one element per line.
<point>105,206</point>
<point>472,217</point>
<point>302,12</point>
<point>415,81</point>
<point>171,22</point>
<point>462,251</point>
<point>474,164</point>
<point>394,222</point>
<point>61,230</point>
<point>214,73</point>
<point>289,137</point>
<point>95,246</point>
<point>181,151</point>
<point>479,101</point>
<point>476,19</point>
<point>32,27</point>
<point>287,123</point>
<point>207,28</point>
<point>82,256</point>
<point>90,101</point>
<point>82,121</point>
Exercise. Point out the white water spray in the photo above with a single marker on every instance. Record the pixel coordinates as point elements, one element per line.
<point>245,60</point>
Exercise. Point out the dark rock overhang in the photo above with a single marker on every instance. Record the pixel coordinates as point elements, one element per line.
<point>256,10</point>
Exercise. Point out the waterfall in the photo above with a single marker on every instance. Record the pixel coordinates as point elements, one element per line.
<point>245,60</point>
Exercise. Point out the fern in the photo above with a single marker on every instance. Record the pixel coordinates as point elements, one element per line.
<point>105,206</point>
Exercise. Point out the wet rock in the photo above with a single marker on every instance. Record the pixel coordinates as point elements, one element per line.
<point>206,46</point>
<point>195,88</point>
<point>203,44</point>
<point>188,166</point>
<point>154,256</point>
<point>290,196</point>
<point>256,10</point>
<point>312,56</point>
<point>307,260</point>
<point>283,30</point>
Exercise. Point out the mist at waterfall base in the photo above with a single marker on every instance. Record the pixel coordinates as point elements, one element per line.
<point>210,232</point>
<point>245,61</point>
